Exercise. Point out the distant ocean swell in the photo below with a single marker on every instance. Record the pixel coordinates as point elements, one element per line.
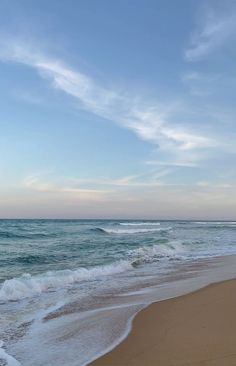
<point>216,224</point>
<point>10,234</point>
<point>209,223</point>
<point>28,286</point>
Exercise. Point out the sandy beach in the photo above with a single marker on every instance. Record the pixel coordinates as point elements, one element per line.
<point>197,329</point>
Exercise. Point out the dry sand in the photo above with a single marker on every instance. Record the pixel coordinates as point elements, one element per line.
<point>198,329</point>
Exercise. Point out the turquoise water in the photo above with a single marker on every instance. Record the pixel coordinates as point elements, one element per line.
<point>50,264</point>
<point>87,249</point>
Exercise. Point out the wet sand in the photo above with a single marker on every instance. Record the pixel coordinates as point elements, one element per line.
<point>197,329</point>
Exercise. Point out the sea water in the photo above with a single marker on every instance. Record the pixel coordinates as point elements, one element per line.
<point>69,288</point>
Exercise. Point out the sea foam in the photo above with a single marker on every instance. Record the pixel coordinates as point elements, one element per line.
<point>139,223</point>
<point>147,254</point>
<point>9,360</point>
<point>133,230</point>
<point>28,285</point>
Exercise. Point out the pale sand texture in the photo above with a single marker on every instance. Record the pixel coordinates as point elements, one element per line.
<point>198,329</point>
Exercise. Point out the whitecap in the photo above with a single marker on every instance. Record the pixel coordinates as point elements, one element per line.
<point>140,223</point>
<point>28,285</point>
<point>146,254</point>
<point>133,231</point>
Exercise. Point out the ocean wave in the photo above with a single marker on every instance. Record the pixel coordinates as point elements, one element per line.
<point>12,235</point>
<point>98,230</point>
<point>9,234</point>
<point>216,224</point>
<point>132,231</point>
<point>28,285</point>
<point>139,223</point>
<point>36,259</point>
<point>147,254</point>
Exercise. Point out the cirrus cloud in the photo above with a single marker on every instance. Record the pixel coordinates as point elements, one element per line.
<point>149,122</point>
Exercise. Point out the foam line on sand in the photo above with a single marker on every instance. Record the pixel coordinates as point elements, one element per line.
<point>192,330</point>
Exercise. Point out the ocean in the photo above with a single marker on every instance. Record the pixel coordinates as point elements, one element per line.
<point>69,288</point>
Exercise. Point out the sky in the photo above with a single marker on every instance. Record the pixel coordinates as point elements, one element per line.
<point>118,109</point>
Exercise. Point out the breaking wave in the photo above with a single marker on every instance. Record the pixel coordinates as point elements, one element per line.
<point>139,223</point>
<point>28,285</point>
<point>132,231</point>
<point>147,254</point>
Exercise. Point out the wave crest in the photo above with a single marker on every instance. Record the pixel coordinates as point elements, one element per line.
<point>28,285</point>
<point>147,254</point>
<point>140,223</point>
<point>132,231</point>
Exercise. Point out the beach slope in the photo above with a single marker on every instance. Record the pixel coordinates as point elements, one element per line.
<point>198,329</point>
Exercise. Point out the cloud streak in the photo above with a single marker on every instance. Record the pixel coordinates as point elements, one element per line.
<point>35,183</point>
<point>95,189</point>
<point>150,123</point>
<point>214,31</point>
<point>202,199</point>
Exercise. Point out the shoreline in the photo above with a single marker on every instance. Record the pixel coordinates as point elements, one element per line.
<point>196,329</point>
<point>81,335</point>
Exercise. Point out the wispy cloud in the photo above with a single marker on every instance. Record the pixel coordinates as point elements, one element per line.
<point>149,179</point>
<point>184,164</point>
<point>35,182</point>
<point>215,185</point>
<point>151,123</point>
<point>214,29</point>
<point>49,198</point>
<point>94,189</point>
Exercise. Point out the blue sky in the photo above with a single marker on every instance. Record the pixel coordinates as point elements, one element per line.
<point>117,109</point>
